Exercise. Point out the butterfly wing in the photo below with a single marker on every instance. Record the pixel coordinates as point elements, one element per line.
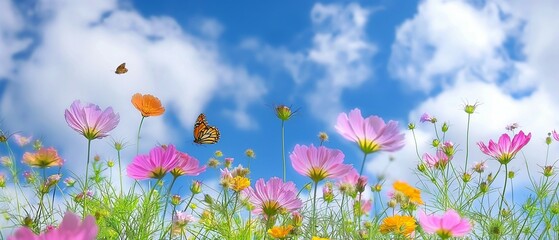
<point>204,133</point>
<point>121,69</point>
<point>208,135</point>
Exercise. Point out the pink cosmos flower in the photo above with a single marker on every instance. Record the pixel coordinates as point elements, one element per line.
<point>182,218</point>
<point>555,135</point>
<point>371,134</point>
<point>505,150</point>
<point>365,206</point>
<point>187,165</point>
<point>22,140</point>
<point>90,120</point>
<point>273,197</point>
<point>439,161</point>
<point>319,163</point>
<point>450,224</point>
<point>71,227</point>
<point>425,118</point>
<point>159,161</point>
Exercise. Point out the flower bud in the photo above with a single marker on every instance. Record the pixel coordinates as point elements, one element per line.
<point>411,126</point>
<point>196,187</point>
<point>436,143</point>
<point>444,128</point>
<point>483,187</point>
<point>548,171</point>
<point>466,177</point>
<point>283,112</point>
<point>175,200</point>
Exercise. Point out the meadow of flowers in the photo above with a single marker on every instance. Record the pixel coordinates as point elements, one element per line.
<point>451,198</point>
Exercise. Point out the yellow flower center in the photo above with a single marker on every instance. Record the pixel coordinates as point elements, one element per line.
<point>368,146</point>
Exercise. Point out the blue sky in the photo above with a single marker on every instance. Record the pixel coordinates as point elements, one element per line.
<point>234,61</point>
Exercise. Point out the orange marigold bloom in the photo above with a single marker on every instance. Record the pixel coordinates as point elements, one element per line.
<point>410,192</point>
<point>43,158</point>
<point>280,232</point>
<point>400,225</point>
<point>148,105</point>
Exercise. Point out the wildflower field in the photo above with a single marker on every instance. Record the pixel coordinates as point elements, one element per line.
<point>452,197</point>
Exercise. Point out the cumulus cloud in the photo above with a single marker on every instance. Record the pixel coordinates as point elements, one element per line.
<point>339,57</point>
<point>446,39</point>
<point>77,48</point>
<point>11,25</point>
<point>466,52</point>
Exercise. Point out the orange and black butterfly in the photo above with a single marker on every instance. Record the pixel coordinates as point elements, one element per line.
<point>121,69</point>
<point>204,133</point>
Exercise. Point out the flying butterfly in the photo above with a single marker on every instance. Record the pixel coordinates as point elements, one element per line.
<point>121,69</point>
<point>204,133</point>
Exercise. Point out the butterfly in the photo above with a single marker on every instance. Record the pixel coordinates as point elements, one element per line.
<point>204,133</point>
<point>121,69</point>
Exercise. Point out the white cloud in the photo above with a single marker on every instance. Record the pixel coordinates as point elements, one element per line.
<point>78,48</point>
<point>446,39</point>
<point>342,50</point>
<point>470,53</point>
<point>339,58</point>
<point>10,26</point>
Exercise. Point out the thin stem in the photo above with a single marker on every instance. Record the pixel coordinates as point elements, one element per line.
<point>138,139</point>
<point>467,143</point>
<point>283,148</point>
<point>119,170</point>
<point>86,178</point>
<point>416,148</point>
<point>313,220</point>
<point>165,208</point>
<point>363,164</point>
<point>504,189</point>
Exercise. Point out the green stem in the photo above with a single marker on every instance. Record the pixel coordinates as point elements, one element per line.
<point>313,220</point>
<point>166,197</point>
<point>504,189</point>
<point>363,165</point>
<point>119,170</point>
<point>138,139</point>
<point>189,201</point>
<point>86,178</point>
<point>283,148</point>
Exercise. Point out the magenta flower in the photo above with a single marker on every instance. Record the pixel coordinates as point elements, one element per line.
<point>159,161</point>
<point>187,165</point>
<point>371,134</point>
<point>505,150</point>
<point>90,120</point>
<point>425,118</point>
<point>71,227</point>
<point>450,224</point>
<point>319,163</point>
<point>439,161</point>
<point>273,197</point>
<point>555,135</point>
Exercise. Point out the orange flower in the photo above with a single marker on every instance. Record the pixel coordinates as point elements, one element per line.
<point>399,225</point>
<point>148,105</point>
<point>413,194</point>
<point>45,157</point>
<point>280,232</point>
<point>319,238</point>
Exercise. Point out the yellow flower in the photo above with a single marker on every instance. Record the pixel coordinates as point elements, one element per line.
<point>413,194</point>
<point>319,238</point>
<point>240,183</point>
<point>148,105</point>
<point>400,225</point>
<point>280,232</point>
